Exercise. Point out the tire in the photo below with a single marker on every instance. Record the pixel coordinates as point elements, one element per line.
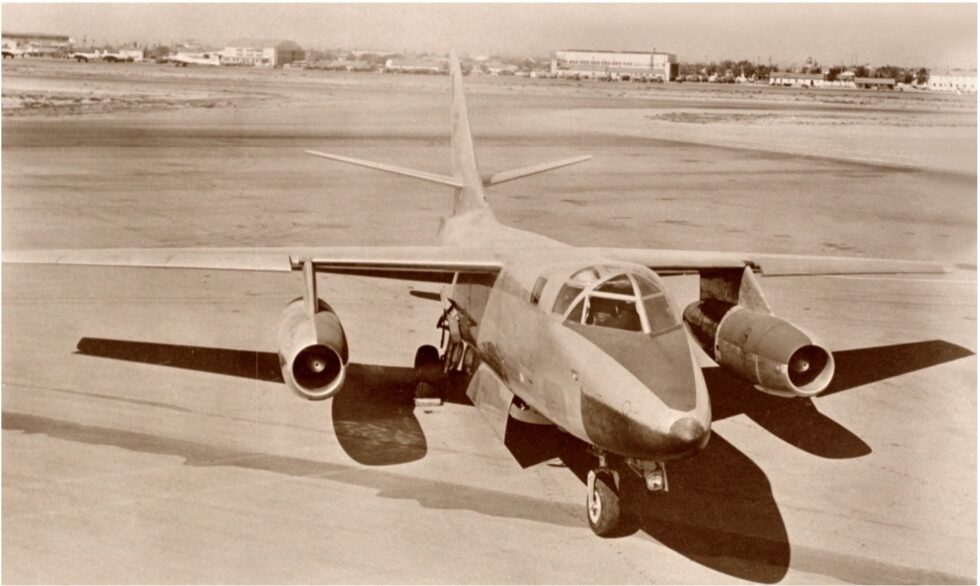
<point>428,365</point>
<point>426,356</point>
<point>602,505</point>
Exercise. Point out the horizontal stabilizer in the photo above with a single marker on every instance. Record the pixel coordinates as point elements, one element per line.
<point>423,175</point>
<point>504,176</point>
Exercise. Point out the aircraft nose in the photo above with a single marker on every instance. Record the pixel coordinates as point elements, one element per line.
<point>688,431</point>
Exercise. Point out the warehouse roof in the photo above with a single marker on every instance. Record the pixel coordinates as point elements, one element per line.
<point>651,52</point>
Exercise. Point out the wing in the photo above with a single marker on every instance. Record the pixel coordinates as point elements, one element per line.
<point>419,263</point>
<point>669,262</point>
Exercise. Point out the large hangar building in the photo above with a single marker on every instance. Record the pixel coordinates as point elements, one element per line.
<point>647,65</point>
<point>261,52</point>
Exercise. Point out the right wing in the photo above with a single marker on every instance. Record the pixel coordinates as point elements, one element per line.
<point>417,263</point>
<point>674,262</point>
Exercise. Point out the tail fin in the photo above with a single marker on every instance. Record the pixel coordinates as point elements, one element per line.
<point>465,169</point>
<point>466,178</point>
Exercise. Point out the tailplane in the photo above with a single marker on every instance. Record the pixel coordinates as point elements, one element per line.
<point>466,178</point>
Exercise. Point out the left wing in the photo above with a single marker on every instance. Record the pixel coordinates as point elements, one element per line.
<point>673,262</point>
<point>421,263</point>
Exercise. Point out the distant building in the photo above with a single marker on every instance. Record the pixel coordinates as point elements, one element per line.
<point>500,68</point>
<point>955,80</point>
<point>261,52</point>
<point>399,65</point>
<point>845,79</point>
<point>37,43</point>
<point>614,64</point>
<point>790,79</point>
<point>134,54</point>
<point>874,83</point>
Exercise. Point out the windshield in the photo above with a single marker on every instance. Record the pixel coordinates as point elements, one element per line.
<point>623,301</point>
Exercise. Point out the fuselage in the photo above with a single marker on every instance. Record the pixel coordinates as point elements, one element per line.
<point>594,345</point>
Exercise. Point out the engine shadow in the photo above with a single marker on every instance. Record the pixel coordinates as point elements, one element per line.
<point>798,422</point>
<point>373,417</point>
<point>719,512</point>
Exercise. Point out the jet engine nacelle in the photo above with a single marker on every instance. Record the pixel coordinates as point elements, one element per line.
<point>312,352</point>
<point>761,348</point>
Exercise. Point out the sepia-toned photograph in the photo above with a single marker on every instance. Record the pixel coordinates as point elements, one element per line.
<point>489,293</point>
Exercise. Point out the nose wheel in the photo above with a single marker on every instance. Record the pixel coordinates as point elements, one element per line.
<point>603,507</point>
<point>613,492</point>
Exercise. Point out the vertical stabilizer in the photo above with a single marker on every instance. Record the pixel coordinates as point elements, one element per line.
<point>470,197</point>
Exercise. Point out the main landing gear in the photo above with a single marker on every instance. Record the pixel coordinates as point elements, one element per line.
<point>613,489</point>
<point>432,368</point>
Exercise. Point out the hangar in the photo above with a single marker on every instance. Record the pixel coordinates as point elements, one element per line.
<point>624,65</point>
<point>37,43</point>
<point>261,52</point>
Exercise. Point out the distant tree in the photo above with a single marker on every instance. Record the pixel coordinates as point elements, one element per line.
<point>687,69</point>
<point>922,75</point>
<point>888,71</point>
<point>860,71</point>
<point>746,67</point>
<point>833,73</point>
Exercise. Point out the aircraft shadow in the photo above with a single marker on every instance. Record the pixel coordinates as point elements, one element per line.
<point>798,421</point>
<point>719,512</point>
<point>373,417</point>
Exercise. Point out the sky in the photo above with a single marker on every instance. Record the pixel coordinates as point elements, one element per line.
<point>931,35</point>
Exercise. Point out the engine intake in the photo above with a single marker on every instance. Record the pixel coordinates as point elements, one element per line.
<point>312,352</point>
<point>766,350</point>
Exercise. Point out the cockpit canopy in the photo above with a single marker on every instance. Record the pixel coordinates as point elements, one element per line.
<point>611,297</point>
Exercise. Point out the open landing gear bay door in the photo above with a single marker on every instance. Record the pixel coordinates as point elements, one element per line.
<point>492,399</point>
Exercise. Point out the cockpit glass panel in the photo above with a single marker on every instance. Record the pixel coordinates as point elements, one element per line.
<point>647,287</point>
<point>613,313</point>
<point>620,284</point>
<point>586,276</point>
<point>576,314</point>
<point>565,297</point>
<point>659,313</point>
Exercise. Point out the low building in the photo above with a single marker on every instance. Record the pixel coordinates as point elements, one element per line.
<point>874,83</point>
<point>625,65</point>
<point>955,80</point>
<point>346,65</point>
<point>844,80</point>
<point>790,79</point>
<point>261,52</point>
<point>401,65</point>
<point>134,54</point>
<point>37,43</point>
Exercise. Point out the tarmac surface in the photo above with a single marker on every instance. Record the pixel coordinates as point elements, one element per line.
<point>148,438</point>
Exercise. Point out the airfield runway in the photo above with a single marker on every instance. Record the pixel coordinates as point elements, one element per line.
<point>147,437</point>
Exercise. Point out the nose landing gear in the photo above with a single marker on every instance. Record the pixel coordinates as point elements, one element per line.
<point>613,489</point>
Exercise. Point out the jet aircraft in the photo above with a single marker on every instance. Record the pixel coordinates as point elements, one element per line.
<point>585,339</point>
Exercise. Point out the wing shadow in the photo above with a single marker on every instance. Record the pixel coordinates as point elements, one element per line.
<point>373,417</point>
<point>719,512</point>
<point>798,421</point>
